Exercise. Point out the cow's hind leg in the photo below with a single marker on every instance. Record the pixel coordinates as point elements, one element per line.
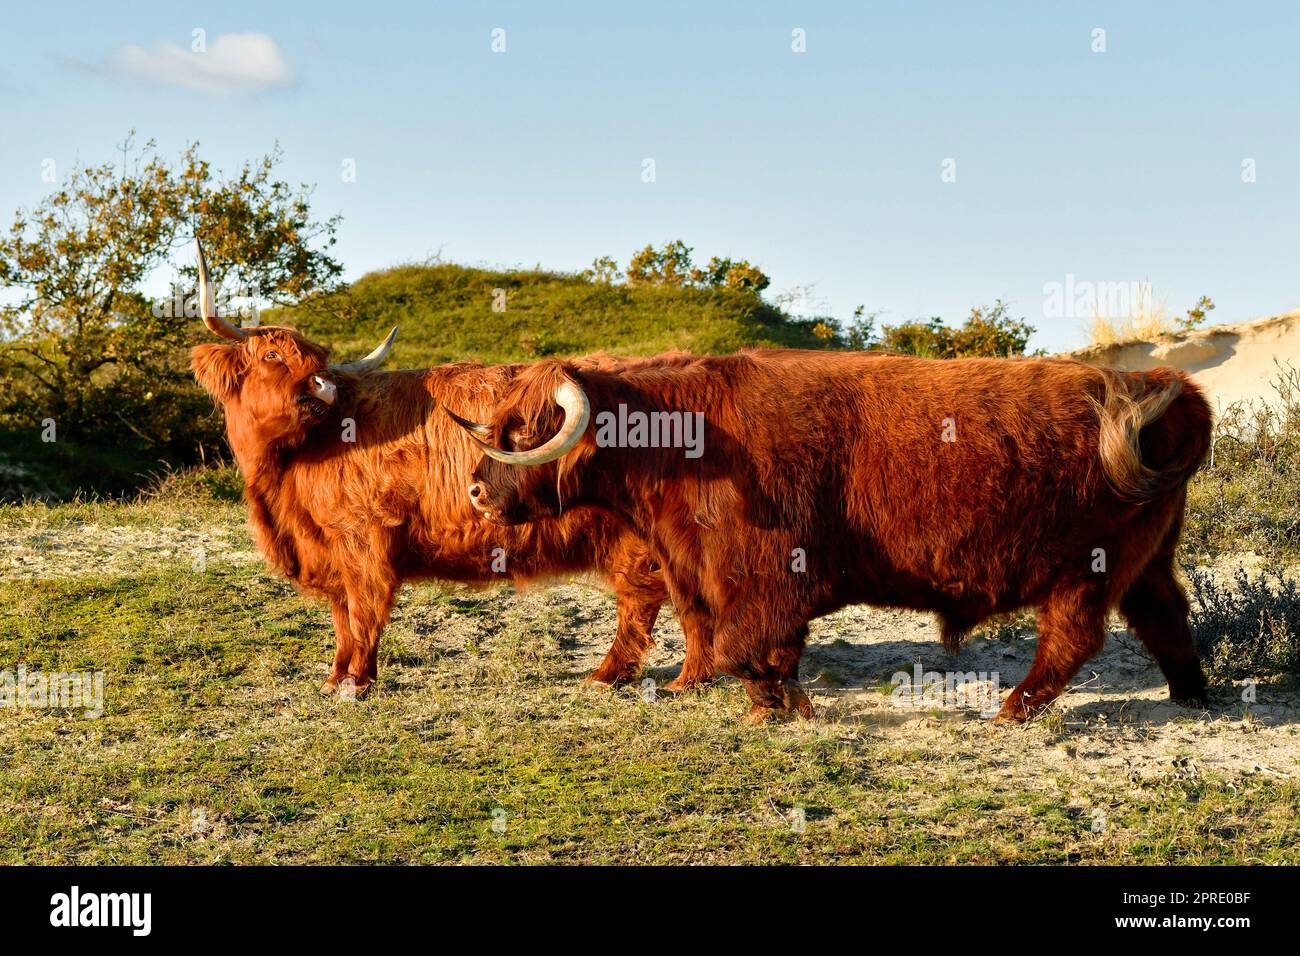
<point>1071,629</point>
<point>1156,609</point>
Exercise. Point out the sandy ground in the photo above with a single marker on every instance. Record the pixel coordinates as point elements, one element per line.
<point>1116,721</point>
<point>45,553</point>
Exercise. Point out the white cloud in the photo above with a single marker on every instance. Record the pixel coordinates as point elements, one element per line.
<point>232,63</point>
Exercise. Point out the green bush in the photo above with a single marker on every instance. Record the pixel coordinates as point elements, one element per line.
<point>1249,627</point>
<point>988,332</point>
<point>86,358</point>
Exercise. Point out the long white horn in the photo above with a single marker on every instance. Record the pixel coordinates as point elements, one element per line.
<point>577,413</point>
<point>371,361</point>
<point>207,306</point>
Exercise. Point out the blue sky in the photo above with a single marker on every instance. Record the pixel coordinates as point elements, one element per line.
<point>822,167</point>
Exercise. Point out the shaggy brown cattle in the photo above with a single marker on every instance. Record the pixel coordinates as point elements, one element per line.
<point>355,483</point>
<point>970,488</point>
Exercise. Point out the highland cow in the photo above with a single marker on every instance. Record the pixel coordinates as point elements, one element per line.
<point>355,483</point>
<point>969,488</point>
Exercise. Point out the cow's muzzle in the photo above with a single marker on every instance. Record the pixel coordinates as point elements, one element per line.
<point>322,389</point>
<point>478,499</point>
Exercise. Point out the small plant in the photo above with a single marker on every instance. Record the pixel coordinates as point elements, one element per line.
<point>1006,628</point>
<point>1142,319</point>
<point>196,485</point>
<point>1149,320</point>
<point>1248,627</point>
<point>1196,314</point>
<point>604,269</point>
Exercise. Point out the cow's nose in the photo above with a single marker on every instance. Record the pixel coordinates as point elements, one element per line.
<point>323,389</point>
<point>475,490</point>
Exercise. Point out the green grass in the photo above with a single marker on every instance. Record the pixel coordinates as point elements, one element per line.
<point>1251,507</point>
<point>446,315</point>
<point>211,714</point>
<point>1248,498</point>
<point>196,498</point>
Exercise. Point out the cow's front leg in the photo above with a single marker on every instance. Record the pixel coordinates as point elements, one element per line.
<point>698,668</point>
<point>1071,629</point>
<point>639,584</point>
<point>696,619</point>
<point>636,621</point>
<point>368,610</point>
<point>343,645</point>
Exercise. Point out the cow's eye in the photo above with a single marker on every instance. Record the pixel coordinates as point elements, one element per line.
<point>272,357</point>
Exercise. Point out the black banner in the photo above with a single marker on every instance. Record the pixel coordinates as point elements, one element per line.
<point>216,905</point>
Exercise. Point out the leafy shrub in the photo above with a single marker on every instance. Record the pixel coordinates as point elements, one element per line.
<point>989,332</point>
<point>1249,627</point>
<point>85,352</point>
<point>671,265</point>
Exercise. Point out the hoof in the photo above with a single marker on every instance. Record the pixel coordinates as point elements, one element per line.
<point>1013,711</point>
<point>766,715</point>
<point>1189,693</point>
<point>603,678</point>
<point>1022,707</point>
<point>684,682</point>
<point>329,687</point>
<point>349,689</point>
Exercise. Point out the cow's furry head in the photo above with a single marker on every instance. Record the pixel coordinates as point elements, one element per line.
<point>529,417</point>
<point>274,385</point>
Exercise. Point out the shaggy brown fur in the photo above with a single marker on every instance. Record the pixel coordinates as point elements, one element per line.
<point>969,488</point>
<point>350,520</point>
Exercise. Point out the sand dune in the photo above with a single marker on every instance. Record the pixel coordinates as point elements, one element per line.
<point>1231,362</point>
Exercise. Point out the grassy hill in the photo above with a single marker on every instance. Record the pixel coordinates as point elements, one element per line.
<point>446,314</point>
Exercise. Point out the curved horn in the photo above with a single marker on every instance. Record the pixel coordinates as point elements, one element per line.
<point>207,306</point>
<point>371,361</point>
<point>474,428</point>
<point>577,412</point>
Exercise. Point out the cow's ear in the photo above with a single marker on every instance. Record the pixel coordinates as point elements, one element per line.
<point>219,369</point>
